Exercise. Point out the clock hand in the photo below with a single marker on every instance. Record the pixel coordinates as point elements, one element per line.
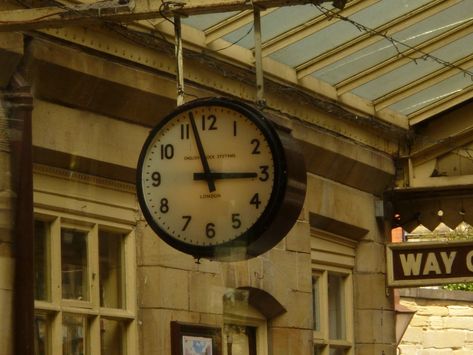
<point>215,175</point>
<point>203,158</point>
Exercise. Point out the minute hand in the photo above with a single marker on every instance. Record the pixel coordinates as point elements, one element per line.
<point>217,175</point>
<point>203,158</point>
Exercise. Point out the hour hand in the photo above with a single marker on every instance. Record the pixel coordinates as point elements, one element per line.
<point>227,175</point>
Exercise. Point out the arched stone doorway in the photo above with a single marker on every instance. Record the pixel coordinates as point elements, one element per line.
<point>246,314</point>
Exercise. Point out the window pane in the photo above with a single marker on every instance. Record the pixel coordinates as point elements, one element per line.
<point>336,306</point>
<point>73,334</point>
<point>111,270</point>
<point>337,351</point>
<point>318,349</point>
<point>111,337</point>
<point>316,302</point>
<point>41,272</point>
<point>74,264</point>
<point>41,334</point>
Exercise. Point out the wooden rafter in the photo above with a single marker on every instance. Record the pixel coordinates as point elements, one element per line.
<point>53,17</point>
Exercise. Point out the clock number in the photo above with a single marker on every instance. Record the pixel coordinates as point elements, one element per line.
<point>185,131</point>
<point>164,208</point>
<point>264,173</point>
<point>256,143</point>
<point>187,221</point>
<point>255,200</point>
<point>210,230</point>
<point>156,178</point>
<point>234,128</point>
<point>236,222</point>
<point>167,151</point>
<point>212,119</point>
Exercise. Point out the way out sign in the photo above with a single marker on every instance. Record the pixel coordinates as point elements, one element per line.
<point>433,263</point>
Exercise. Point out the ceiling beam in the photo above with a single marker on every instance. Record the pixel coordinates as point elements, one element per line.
<point>367,39</point>
<point>407,56</point>
<point>73,15</point>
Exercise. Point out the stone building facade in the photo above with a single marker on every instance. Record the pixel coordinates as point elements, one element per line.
<point>91,114</point>
<point>442,324</point>
<point>101,282</point>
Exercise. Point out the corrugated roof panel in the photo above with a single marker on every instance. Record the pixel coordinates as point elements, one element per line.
<point>414,70</point>
<point>440,91</point>
<point>274,24</point>
<point>341,32</point>
<point>384,49</point>
<point>202,22</point>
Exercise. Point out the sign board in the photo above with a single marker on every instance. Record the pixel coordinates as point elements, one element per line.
<point>429,263</point>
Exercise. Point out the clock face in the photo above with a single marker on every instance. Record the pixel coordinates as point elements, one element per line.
<point>209,176</point>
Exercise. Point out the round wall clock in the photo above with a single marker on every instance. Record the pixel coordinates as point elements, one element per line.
<point>216,180</point>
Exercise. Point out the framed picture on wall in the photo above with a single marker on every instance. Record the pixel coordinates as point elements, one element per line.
<point>195,339</point>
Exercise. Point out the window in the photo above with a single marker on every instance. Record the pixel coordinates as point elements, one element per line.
<point>82,303</point>
<point>332,311</point>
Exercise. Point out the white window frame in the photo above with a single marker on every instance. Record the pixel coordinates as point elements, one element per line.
<point>68,199</point>
<point>57,306</point>
<point>333,254</point>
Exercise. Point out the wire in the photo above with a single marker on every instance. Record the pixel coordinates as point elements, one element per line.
<point>236,42</point>
<point>165,6</point>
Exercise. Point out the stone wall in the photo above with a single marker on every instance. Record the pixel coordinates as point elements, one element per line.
<point>443,323</point>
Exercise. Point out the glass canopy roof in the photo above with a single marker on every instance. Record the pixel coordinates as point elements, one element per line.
<point>409,59</point>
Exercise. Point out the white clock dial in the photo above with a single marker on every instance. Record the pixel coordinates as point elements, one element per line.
<point>207,175</point>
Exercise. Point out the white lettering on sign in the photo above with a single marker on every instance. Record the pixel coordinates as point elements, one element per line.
<point>411,266</point>
<point>469,263</point>
<point>448,260</point>
<point>411,263</point>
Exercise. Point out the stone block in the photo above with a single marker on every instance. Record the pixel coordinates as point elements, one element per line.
<point>376,349</point>
<point>153,251</point>
<point>413,335</point>
<point>469,337</point>
<point>419,321</point>
<point>433,311</point>
<point>155,328</point>
<point>298,238</point>
<point>242,273</point>
<point>287,341</point>
<point>7,267</point>
<point>299,314</point>
<point>463,351</point>
<point>436,352</point>
<point>459,310</point>
<point>162,287</point>
<point>370,292</point>
<point>374,326</point>
<point>304,272</point>
<point>444,338</point>
<point>6,325</point>
<point>207,293</point>
<point>406,349</point>
<point>459,322</point>
<point>370,257</point>
<point>280,265</point>
<point>436,322</point>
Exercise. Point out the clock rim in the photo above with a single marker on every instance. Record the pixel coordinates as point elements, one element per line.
<point>257,230</point>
